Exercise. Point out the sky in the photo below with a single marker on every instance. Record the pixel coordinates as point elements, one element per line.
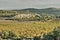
<point>22,4</point>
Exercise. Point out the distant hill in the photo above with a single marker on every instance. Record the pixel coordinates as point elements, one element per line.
<point>55,11</point>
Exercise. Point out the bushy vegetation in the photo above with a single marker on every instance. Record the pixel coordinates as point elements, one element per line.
<point>26,16</point>
<point>46,30</point>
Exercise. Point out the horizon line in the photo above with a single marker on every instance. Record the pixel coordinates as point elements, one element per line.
<point>24,8</point>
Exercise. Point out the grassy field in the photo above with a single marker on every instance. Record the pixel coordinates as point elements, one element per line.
<point>28,29</point>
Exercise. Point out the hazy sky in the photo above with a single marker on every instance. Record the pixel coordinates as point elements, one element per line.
<point>19,4</point>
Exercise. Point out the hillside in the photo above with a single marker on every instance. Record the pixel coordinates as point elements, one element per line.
<point>55,11</point>
<point>30,14</point>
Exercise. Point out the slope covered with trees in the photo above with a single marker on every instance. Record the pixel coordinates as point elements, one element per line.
<point>30,14</point>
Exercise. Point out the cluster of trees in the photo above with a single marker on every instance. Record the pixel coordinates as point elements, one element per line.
<point>36,18</point>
